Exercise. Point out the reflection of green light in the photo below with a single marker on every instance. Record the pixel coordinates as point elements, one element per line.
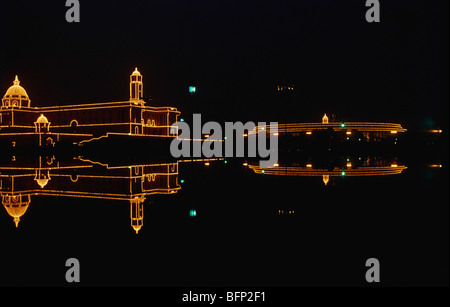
<point>182,181</point>
<point>192,89</point>
<point>181,119</point>
<point>343,173</point>
<point>193,213</point>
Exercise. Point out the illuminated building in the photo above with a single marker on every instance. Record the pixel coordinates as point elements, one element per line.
<point>23,125</point>
<point>365,130</point>
<point>85,179</point>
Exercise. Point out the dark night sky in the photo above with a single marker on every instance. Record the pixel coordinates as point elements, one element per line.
<point>236,53</point>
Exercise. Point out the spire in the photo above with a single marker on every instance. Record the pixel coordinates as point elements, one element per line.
<point>16,81</point>
<point>16,221</point>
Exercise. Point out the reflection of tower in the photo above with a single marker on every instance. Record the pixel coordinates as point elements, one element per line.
<point>137,213</point>
<point>16,205</point>
<point>136,86</point>
<point>325,179</point>
<point>42,175</point>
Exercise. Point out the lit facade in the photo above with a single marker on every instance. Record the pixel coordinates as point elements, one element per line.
<point>44,126</point>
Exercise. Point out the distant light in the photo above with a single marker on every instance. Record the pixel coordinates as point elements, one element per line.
<point>359,158</point>
<point>348,132</point>
<point>348,138</point>
<point>207,163</point>
<point>245,134</point>
<point>308,165</point>
<point>275,134</point>
<point>181,119</point>
<point>359,139</point>
<point>225,161</point>
<point>343,173</point>
<point>182,181</point>
<point>394,132</point>
<point>349,164</point>
<point>245,164</point>
<point>193,213</point>
<point>207,135</point>
<point>348,159</point>
<point>262,171</point>
<point>276,164</point>
<point>262,128</point>
<point>393,165</point>
<point>192,89</point>
<point>225,138</point>
<point>129,133</point>
<point>342,125</point>
<point>309,133</point>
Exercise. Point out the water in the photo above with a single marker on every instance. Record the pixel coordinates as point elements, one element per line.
<point>249,229</point>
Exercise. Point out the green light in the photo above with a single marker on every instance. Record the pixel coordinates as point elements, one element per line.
<point>359,140</point>
<point>343,173</point>
<point>193,213</point>
<point>182,181</point>
<point>348,159</point>
<point>192,89</point>
<point>225,138</point>
<point>225,161</point>
<point>262,171</point>
<point>181,119</point>
<point>342,125</point>
<point>348,138</point>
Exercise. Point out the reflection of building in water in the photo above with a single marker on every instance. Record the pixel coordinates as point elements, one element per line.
<point>365,168</point>
<point>82,178</point>
<point>23,125</point>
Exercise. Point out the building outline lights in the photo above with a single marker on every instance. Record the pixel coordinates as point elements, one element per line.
<point>23,124</point>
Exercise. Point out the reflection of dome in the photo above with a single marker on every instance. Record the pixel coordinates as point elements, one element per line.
<point>16,206</point>
<point>16,96</point>
<point>42,182</point>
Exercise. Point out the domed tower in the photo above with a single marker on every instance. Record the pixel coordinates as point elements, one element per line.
<point>325,119</point>
<point>16,206</point>
<point>16,96</point>
<point>137,213</point>
<point>136,87</point>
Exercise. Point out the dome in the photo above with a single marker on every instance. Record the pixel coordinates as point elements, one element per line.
<point>16,95</point>
<point>42,119</point>
<point>325,119</point>
<point>16,89</point>
<point>136,72</point>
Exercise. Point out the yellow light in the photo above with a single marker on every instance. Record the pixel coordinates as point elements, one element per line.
<point>245,164</point>
<point>308,165</point>
<point>245,134</point>
<point>349,164</point>
<point>348,132</point>
<point>206,135</point>
<point>275,134</point>
<point>276,164</point>
<point>393,165</point>
<point>308,132</point>
<point>207,163</point>
<point>394,132</point>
